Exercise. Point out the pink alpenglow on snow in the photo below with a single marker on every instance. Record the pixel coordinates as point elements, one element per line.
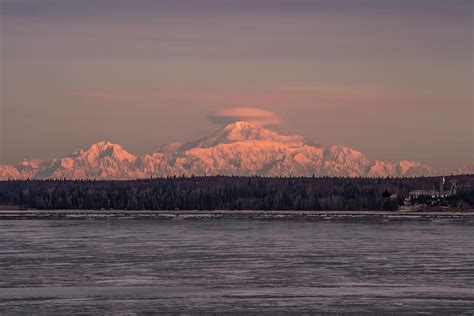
<point>240,148</point>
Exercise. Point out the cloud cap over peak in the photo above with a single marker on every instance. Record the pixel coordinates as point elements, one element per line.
<point>256,116</point>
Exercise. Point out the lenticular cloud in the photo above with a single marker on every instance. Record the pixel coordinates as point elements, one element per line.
<point>256,116</point>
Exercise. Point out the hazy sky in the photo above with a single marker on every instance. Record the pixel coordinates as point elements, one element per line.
<point>393,79</point>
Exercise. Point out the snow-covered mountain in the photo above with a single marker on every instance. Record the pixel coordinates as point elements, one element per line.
<point>240,148</point>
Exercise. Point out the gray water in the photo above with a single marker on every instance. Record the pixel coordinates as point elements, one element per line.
<point>190,266</point>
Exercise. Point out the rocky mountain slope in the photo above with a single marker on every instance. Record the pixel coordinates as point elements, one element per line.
<point>241,148</point>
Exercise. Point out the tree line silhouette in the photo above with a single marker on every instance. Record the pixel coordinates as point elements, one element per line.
<point>223,192</point>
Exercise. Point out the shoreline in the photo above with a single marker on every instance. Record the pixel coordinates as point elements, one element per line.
<point>460,216</point>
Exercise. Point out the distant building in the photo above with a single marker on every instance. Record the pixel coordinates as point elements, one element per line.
<point>441,193</point>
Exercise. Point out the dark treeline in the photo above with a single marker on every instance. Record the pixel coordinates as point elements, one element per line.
<point>223,192</point>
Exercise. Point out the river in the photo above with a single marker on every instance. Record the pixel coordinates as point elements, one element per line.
<point>227,265</point>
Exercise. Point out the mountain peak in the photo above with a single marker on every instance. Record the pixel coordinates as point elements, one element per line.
<point>242,131</point>
<point>102,150</point>
<point>103,146</point>
<point>240,125</point>
<point>240,148</point>
<point>105,143</point>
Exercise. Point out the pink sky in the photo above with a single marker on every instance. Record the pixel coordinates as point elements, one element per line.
<point>391,79</point>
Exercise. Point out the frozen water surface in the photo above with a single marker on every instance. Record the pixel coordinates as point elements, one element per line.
<point>128,266</point>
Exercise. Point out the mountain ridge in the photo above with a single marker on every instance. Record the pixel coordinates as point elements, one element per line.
<point>240,148</point>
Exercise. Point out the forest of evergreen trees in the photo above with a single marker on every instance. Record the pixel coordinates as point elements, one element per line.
<point>224,192</point>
